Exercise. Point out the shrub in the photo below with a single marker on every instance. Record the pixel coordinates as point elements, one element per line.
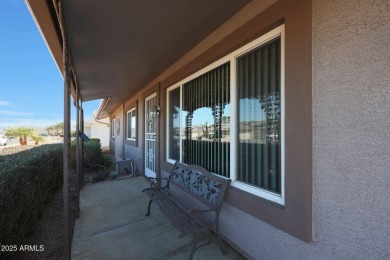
<point>15,149</point>
<point>94,140</point>
<point>92,154</point>
<point>27,179</point>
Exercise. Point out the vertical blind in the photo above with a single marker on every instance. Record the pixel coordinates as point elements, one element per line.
<point>258,83</point>
<point>206,119</point>
<point>174,124</point>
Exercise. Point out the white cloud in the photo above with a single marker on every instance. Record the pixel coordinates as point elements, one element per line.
<point>4,103</point>
<point>15,113</point>
<point>27,122</point>
<point>55,115</point>
<point>35,123</point>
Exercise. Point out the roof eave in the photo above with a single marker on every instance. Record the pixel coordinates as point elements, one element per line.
<point>40,11</point>
<point>48,26</point>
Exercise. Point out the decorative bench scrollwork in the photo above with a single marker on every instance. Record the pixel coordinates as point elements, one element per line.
<point>204,187</point>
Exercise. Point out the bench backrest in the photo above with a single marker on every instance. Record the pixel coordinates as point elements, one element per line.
<point>208,188</point>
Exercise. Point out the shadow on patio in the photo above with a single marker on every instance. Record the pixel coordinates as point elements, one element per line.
<point>112,225</point>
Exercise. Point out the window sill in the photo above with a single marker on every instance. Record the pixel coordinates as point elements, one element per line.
<point>258,192</point>
<point>132,142</point>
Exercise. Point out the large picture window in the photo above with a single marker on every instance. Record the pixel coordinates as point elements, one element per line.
<point>206,114</point>
<point>229,117</point>
<point>258,85</point>
<point>131,126</point>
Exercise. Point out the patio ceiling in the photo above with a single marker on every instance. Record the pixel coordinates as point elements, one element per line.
<point>118,47</point>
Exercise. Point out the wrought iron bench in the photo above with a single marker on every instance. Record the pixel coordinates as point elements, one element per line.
<point>209,190</point>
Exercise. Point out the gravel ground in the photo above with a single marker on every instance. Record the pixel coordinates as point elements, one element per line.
<point>47,233</point>
<point>48,230</point>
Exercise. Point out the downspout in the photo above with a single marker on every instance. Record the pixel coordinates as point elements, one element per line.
<point>66,184</point>
<point>78,184</point>
<point>79,140</point>
<point>82,145</point>
<point>124,129</point>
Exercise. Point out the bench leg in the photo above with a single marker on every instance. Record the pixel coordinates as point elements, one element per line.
<point>148,213</point>
<point>223,248</point>
<point>194,243</point>
<point>222,245</point>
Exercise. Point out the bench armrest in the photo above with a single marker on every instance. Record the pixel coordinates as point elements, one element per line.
<point>197,212</point>
<point>153,181</point>
<point>197,217</point>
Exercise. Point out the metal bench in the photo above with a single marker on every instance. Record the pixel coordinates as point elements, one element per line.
<point>208,190</point>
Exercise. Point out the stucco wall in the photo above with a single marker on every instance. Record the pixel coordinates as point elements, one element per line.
<point>112,145</point>
<point>101,131</point>
<point>351,142</point>
<point>351,105</point>
<point>134,153</point>
<point>119,137</point>
<point>134,150</point>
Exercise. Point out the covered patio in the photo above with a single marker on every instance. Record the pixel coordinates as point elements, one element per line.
<point>110,51</point>
<point>112,225</point>
<point>317,71</point>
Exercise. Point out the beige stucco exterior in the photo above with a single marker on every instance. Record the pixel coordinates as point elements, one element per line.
<point>350,65</point>
<point>98,129</point>
<point>338,101</point>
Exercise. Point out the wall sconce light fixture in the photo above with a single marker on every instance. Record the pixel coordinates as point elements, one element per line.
<point>154,111</point>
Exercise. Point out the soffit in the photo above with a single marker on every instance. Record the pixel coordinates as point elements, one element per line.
<point>119,46</point>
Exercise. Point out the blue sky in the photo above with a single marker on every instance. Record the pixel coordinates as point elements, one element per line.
<point>31,86</point>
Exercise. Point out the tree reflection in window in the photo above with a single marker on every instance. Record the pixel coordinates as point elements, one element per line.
<point>270,103</point>
<point>258,85</point>
<point>206,114</point>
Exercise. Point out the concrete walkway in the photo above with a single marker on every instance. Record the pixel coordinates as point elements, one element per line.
<point>112,225</point>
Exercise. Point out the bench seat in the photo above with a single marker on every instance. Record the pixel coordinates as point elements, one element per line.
<point>209,190</point>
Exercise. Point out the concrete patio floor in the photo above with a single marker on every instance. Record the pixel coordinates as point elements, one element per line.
<point>112,225</point>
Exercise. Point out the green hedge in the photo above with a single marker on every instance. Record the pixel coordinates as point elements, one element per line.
<point>27,180</point>
<point>93,140</point>
<point>92,152</point>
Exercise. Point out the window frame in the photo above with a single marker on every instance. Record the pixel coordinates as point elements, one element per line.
<point>113,128</point>
<point>180,85</point>
<point>169,160</point>
<point>234,102</point>
<point>133,111</point>
<point>262,40</point>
